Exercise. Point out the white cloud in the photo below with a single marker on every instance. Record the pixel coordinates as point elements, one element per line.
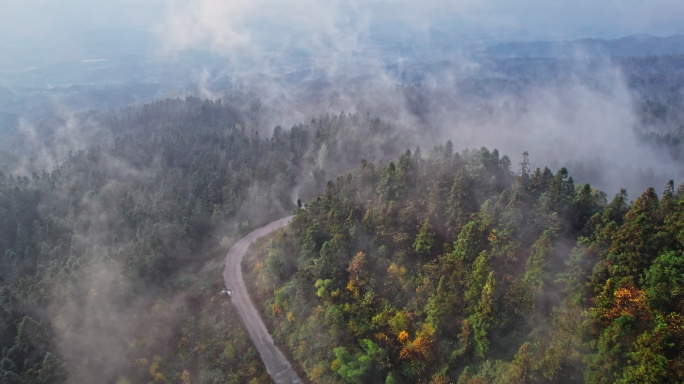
<point>228,24</point>
<point>341,24</point>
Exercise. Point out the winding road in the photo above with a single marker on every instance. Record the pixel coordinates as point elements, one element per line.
<point>276,364</point>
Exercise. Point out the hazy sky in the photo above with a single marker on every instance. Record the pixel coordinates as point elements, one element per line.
<point>20,19</point>
<point>228,22</point>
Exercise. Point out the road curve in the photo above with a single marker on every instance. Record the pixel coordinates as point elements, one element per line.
<point>276,364</point>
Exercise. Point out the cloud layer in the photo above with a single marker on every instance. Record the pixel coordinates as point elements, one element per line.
<point>224,25</point>
<point>340,25</point>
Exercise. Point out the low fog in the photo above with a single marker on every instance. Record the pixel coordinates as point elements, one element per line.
<point>302,59</point>
<point>275,66</point>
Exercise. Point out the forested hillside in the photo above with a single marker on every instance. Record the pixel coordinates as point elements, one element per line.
<point>467,268</point>
<point>101,276</point>
<point>453,267</point>
<point>341,192</point>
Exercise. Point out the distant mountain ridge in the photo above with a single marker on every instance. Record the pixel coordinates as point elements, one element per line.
<point>634,45</point>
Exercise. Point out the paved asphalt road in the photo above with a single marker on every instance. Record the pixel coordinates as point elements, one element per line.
<point>276,364</point>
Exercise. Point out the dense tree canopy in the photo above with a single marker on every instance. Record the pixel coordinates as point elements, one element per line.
<point>100,257</point>
<point>456,268</point>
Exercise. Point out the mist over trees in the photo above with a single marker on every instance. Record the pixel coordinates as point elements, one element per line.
<point>130,164</point>
<point>102,260</point>
<point>443,267</point>
<point>465,268</point>
<point>624,104</point>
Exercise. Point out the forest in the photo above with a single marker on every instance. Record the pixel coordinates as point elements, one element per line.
<point>466,268</point>
<point>341,192</point>
<point>108,268</point>
<point>454,266</point>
